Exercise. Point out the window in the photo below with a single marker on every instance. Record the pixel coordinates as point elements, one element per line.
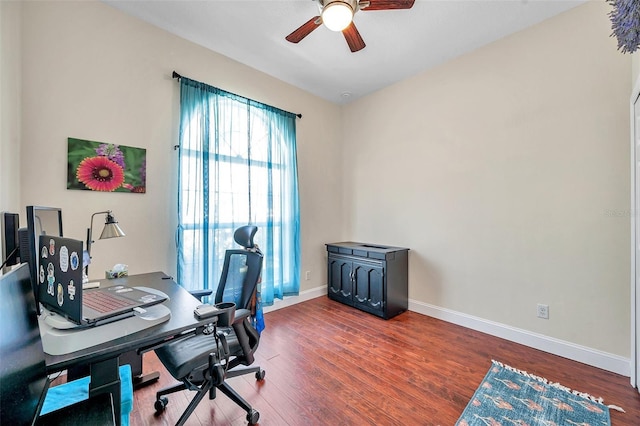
<point>237,166</point>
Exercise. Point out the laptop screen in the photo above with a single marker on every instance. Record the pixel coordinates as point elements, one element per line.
<point>23,377</point>
<point>60,276</point>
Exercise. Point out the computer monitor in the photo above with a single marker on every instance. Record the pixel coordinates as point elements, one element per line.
<point>23,375</point>
<point>40,221</point>
<point>9,224</point>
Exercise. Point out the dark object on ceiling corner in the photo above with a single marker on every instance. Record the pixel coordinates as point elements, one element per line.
<point>625,23</point>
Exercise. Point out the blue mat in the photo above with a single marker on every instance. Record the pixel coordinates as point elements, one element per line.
<point>508,396</point>
<point>78,390</point>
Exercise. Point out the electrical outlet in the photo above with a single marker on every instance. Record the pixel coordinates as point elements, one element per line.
<point>307,275</point>
<point>543,311</point>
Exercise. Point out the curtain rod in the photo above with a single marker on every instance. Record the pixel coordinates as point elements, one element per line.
<point>178,76</point>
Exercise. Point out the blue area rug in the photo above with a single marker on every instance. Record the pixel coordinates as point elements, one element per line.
<point>508,396</point>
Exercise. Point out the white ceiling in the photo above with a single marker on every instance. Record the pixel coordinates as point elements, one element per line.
<point>400,43</point>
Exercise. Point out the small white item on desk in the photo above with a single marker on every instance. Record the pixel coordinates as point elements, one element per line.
<point>92,284</point>
<point>118,271</point>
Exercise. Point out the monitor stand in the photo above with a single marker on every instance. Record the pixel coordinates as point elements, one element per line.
<point>60,336</point>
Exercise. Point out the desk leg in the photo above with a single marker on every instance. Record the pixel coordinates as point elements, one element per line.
<point>105,378</point>
<point>134,359</point>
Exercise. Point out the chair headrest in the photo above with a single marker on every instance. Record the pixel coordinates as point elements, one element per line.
<point>244,236</point>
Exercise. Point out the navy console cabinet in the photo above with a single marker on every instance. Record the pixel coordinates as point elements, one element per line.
<point>372,278</point>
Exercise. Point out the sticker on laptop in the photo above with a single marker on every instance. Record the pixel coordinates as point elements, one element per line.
<point>60,295</point>
<point>41,274</point>
<point>51,278</point>
<point>64,259</point>
<point>72,290</point>
<point>52,247</point>
<point>75,260</point>
<point>44,253</point>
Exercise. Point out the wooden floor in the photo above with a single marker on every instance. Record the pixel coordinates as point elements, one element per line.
<point>328,364</point>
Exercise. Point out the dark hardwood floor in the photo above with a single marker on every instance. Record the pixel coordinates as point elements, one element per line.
<point>328,364</point>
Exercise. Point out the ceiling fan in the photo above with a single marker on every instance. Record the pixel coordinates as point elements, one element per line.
<point>337,15</point>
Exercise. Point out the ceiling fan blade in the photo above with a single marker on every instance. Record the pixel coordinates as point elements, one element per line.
<point>389,4</point>
<point>354,40</point>
<point>304,30</point>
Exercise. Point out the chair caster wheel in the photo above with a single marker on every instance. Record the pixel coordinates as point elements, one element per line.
<point>161,404</point>
<point>260,374</point>
<point>253,417</point>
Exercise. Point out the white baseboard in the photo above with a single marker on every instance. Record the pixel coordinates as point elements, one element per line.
<point>583,354</point>
<point>292,300</point>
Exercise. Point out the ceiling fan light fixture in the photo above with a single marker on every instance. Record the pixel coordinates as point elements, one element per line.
<point>337,15</point>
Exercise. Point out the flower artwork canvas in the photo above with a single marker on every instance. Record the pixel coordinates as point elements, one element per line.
<point>106,167</point>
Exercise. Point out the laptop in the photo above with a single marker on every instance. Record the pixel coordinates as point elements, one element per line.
<point>60,287</point>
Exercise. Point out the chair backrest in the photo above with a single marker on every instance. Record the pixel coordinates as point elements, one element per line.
<point>240,274</point>
<point>23,375</point>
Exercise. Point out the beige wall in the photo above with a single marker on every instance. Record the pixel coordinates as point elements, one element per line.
<point>506,172</point>
<point>635,69</point>
<point>10,20</point>
<point>91,72</point>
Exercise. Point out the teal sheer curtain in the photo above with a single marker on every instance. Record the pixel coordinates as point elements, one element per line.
<point>237,166</point>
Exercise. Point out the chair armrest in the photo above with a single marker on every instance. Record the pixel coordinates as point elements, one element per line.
<point>199,294</point>
<point>240,315</point>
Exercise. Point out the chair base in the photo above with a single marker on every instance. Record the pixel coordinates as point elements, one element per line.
<point>209,386</point>
<point>259,372</point>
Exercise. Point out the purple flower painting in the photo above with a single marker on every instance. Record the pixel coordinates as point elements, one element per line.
<point>105,167</point>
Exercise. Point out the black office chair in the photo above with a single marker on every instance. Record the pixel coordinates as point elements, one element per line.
<point>203,362</point>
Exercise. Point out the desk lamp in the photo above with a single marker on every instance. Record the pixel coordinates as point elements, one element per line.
<point>110,230</point>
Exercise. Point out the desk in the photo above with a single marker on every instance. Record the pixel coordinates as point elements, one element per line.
<point>103,358</point>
